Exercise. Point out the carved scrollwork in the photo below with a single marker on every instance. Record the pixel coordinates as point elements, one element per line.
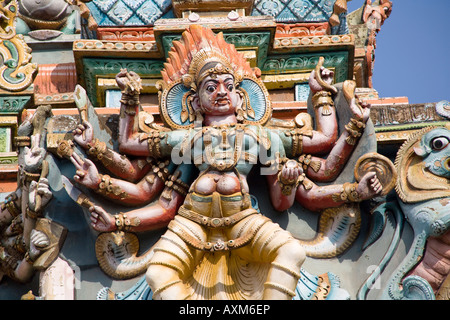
<point>17,71</point>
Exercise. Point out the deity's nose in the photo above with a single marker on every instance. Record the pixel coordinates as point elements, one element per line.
<point>221,90</point>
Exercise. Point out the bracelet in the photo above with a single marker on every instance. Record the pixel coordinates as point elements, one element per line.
<point>65,149</point>
<point>297,140</point>
<point>323,99</point>
<point>176,184</point>
<point>22,141</point>
<point>130,101</point>
<point>154,138</point>
<point>11,205</point>
<point>106,187</point>
<point>159,170</point>
<point>123,223</point>
<point>348,194</point>
<point>355,128</point>
<point>33,214</point>
<point>28,258</point>
<point>305,161</point>
<point>97,148</point>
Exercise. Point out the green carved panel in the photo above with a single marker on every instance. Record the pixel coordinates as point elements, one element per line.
<point>5,139</point>
<point>280,64</point>
<point>13,104</point>
<point>108,68</point>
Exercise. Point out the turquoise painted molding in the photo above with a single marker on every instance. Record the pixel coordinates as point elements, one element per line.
<point>108,68</point>
<point>13,104</point>
<point>253,40</point>
<point>274,64</point>
<point>281,64</point>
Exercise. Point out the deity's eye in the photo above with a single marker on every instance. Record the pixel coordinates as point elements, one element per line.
<point>210,88</point>
<point>230,87</point>
<point>439,143</point>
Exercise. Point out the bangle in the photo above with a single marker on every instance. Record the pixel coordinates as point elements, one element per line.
<point>123,223</point>
<point>130,101</point>
<point>348,194</point>
<point>33,214</point>
<point>11,205</point>
<point>305,161</point>
<point>28,258</point>
<point>355,128</point>
<point>106,187</point>
<point>323,99</point>
<point>297,140</point>
<point>176,184</point>
<point>154,138</point>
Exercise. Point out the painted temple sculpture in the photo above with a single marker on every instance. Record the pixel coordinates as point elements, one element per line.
<point>217,195</point>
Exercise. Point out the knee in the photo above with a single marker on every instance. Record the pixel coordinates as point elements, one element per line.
<point>293,252</point>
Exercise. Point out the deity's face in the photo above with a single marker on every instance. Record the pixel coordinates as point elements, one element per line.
<point>217,95</point>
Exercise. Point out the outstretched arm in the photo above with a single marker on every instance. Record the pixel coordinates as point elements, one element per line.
<point>118,190</point>
<point>115,163</point>
<point>148,218</point>
<point>315,198</point>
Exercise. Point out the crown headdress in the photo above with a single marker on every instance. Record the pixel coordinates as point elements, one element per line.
<point>199,53</point>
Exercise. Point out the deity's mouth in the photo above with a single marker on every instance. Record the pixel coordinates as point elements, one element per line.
<point>222,101</point>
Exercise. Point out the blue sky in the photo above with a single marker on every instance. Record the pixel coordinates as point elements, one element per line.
<point>412,57</point>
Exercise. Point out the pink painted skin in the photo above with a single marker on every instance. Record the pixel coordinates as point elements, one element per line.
<point>435,265</point>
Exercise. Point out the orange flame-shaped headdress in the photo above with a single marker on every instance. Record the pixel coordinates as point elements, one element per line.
<point>200,53</point>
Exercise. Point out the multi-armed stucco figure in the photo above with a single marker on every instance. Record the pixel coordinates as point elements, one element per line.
<point>217,111</point>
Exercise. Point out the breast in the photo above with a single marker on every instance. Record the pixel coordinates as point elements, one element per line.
<point>223,183</point>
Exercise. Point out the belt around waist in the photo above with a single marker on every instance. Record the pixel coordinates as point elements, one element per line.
<point>215,222</point>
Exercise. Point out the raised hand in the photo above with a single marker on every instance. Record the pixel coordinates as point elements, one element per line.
<point>101,220</point>
<point>360,109</point>
<point>86,173</point>
<point>128,82</point>
<point>326,75</point>
<point>84,134</point>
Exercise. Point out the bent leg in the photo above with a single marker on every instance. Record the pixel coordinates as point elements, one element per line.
<point>172,262</point>
<point>284,271</point>
<point>285,256</point>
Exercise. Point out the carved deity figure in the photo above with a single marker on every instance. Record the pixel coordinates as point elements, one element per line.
<point>29,241</point>
<point>216,112</point>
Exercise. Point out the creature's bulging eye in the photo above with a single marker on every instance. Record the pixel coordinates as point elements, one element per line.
<point>439,143</point>
<point>210,88</point>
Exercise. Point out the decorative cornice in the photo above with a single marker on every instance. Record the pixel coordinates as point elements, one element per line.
<point>316,43</point>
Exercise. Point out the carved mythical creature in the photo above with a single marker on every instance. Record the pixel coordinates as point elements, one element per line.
<point>216,112</point>
<point>422,187</point>
<point>423,164</point>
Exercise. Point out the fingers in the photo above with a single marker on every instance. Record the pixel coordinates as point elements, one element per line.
<point>376,184</point>
<point>97,216</point>
<point>43,188</point>
<point>33,185</point>
<point>290,172</point>
<point>79,130</point>
<point>77,161</point>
